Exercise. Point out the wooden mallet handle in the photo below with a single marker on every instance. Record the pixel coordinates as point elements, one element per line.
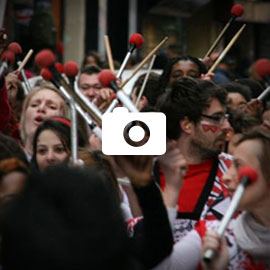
<point>222,55</point>
<point>25,60</point>
<point>109,53</point>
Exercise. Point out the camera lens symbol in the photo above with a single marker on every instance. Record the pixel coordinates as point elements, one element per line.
<point>133,125</point>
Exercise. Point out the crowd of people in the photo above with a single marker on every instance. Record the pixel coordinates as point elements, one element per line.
<point>134,211</point>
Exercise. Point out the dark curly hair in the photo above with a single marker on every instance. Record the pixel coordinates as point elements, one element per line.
<point>188,97</point>
<point>255,87</point>
<point>234,87</point>
<point>240,121</point>
<point>165,76</point>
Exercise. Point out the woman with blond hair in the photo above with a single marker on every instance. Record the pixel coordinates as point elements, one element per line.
<point>42,103</point>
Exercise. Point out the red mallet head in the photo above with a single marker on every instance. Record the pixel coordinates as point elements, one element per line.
<point>15,47</point>
<point>106,77</point>
<point>71,69</point>
<point>136,39</point>
<point>237,10</point>
<point>28,74</point>
<point>45,58</point>
<point>249,173</point>
<point>8,56</point>
<point>262,67</point>
<point>46,74</point>
<point>59,67</point>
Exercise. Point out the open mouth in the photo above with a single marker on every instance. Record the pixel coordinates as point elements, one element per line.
<point>38,120</point>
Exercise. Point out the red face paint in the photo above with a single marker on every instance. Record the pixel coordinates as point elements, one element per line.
<point>207,126</point>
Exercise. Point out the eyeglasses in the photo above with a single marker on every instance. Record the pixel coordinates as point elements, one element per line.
<point>219,118</point>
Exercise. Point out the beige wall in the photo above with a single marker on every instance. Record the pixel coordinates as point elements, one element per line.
<point>74,30</point>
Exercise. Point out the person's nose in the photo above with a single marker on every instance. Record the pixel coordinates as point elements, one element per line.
<point>91,93</point>
<point>184,75</point>
<point>50,156</point>
<point>41,107</point>
<point>226,126</point>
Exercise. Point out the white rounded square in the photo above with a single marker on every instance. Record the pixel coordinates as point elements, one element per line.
<point>116,127</point>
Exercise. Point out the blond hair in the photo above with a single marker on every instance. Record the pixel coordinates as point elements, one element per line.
<point>26,102</point>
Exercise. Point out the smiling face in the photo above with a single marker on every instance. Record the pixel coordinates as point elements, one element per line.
<point>44,104</point>
<point>50,150</point>
<point>256,194</point>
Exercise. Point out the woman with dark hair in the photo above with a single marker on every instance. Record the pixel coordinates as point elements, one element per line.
<point>52,143</point>
<point>181,66</point>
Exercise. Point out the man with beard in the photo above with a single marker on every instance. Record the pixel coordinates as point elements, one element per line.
<point>197,123</point>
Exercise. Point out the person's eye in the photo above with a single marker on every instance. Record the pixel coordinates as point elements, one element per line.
<point>33,105</point>
<point>53,107</point>
<point>84,87</point>
<point>237,164</point>
<point>242,105</point>
<point>217,117</point>
<point>177,74</point>
<point>60,150</point>
<point>193,74</point>
<point>97,87</point>
<point>41,151</point>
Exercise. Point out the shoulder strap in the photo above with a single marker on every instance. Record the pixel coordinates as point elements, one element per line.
<point>204,195</point>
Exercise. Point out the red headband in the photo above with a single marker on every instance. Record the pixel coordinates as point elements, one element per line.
<point>63,120</point>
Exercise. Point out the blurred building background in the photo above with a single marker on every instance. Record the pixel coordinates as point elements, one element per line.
<point>74,27</point>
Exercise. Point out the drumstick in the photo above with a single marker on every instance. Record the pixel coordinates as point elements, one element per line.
<point>145,80</point>
<point>221,56</point>
<point>144,61</point>
<point>25,60</point>
<point>236,11</point>
<point>109,53</point>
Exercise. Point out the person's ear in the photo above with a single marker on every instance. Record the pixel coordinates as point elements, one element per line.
<point>186,126</point>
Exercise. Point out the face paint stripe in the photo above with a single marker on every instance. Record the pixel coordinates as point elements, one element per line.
<point>207,126</point>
